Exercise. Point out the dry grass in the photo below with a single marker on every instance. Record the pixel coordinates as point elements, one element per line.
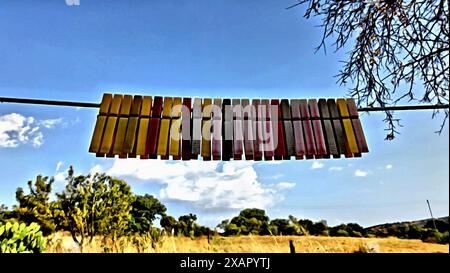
<point>60,242</point>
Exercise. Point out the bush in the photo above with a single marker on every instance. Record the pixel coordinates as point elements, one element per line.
<point>20,238</point>
<point>381,233</point>
<point>355,230</point>
<point>355,234</point>
<point>318,228</point>
<point>445,238</point>
<point>414,232</point>
<point>433,236</point>
<point>442,226</point>
<point>341,233</point>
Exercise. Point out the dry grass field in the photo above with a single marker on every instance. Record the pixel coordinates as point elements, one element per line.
<point>250,244</point>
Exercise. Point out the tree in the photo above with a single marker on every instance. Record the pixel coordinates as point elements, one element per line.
<point>223,225</point>
<point>254,221</point>
<point>114,205</point>
<point>3,211</point>
<point>254,225</point>
<point>340,233</point>
<point>319,228</point>
<point>355,230</point>
<point>339,230</point>
<point>265,229</point>
<point>200,230</point>
<point>181,228</point>
<point>441,226</point>
<point>144,211</point>
<point>35,206</point>
<point>431,235</point>
<point>394,231</point>
<point>232,229</point>
<point>414,232</point>
<point>273,230</point>
<point>95,205</point>
<point>239,220</point>
<point>286,227</point>
<point>168,223</point>
<point>306,224</point>
<point>188,219</point>
<point>259,214</point>
<point>398,50</point>
<point>283,226</point>
<point>6,214</point>
<point>185,224</point>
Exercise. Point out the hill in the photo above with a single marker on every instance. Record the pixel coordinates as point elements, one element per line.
<point>442,224</point>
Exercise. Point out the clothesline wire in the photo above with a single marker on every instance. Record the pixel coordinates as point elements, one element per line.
<point>97,105</point>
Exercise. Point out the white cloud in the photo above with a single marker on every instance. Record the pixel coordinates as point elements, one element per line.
<point>38,140</point>
<point>388,167</point>
<point>360,173</point>
<point>275,176</point>
<point>60,177</point>
<point>285,185</point>
<point>337,169</point>
<point>317,165</point>
<point>207,184</point>
<point>50,123</point>
<point>59,165</point>
<point>76,121</point>
<point>16,129</point>
<point>96,169</point>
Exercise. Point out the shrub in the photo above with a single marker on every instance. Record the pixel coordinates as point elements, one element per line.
<point>341,233</point>
<point>355,234</point>
<point>414,232</point>
<point>357,229</point>
<point>381,233</point>
<point>339,230</point>
<point>445,238</point>
<point>433,236</point>
<point>442,226</point>
<point>318,228</point>
<point>20,238</point>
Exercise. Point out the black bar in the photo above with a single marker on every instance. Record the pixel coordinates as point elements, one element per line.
<point>97,105</point>
<point>50,102</point>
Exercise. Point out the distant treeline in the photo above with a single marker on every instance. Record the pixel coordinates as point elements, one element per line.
<point>255,221</point>
<point>100,205</point>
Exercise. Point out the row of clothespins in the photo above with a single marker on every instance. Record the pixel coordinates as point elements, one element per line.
<point>222,129</point>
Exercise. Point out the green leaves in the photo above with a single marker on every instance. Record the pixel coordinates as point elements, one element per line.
<point>95,205</point>
<point>144,211</point>
<point>35,206</point>
<point>20,238</point>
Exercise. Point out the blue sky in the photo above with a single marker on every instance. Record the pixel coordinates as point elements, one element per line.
<point>193,48</point>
